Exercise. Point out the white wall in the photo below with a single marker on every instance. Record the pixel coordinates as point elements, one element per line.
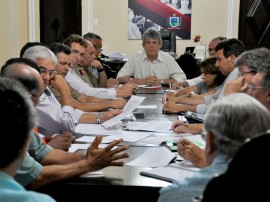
<point>210,18</point>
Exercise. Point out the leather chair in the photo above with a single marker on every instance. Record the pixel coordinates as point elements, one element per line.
<point>246,176</point>
<point>168,40</point>
<point>189,65</point>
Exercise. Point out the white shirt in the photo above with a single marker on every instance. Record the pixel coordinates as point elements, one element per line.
<point>76,82</point>
<point>210,99</point>
<point>53,118</point>
<point>194,81</point>
<point>164,67</point>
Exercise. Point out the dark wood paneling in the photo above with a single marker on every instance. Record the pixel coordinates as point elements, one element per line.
<point>254,23</point>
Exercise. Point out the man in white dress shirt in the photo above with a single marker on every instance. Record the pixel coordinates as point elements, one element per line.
<point>152,66</point>
<point>54,116</point>
<point>77,77</point>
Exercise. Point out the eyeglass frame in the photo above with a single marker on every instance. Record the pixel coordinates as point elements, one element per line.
<point>98,48</point>
<point>203,134</point>
<point>43,71</point>
<point>240,74</point>
<point>252,87</point>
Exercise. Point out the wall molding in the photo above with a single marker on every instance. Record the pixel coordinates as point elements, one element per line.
<point>231,18</point>
<point>89,19</point>
<point>31,21</point>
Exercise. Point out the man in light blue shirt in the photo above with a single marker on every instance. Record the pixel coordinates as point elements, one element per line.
<point>227,124</point>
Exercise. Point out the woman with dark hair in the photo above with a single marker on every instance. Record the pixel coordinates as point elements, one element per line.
<point>212,78</point>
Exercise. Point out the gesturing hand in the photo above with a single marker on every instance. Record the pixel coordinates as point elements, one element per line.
<point>98,158</point>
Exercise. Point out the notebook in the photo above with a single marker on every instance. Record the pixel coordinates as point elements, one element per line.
<point>174,171</point>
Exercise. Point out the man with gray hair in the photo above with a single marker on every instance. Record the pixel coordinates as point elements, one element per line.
<point>259,87</point>
<point>43,164</point>
<point>152,66</point>
<point>228,123</point>
<point>54,116</point>
<point>249,62</point>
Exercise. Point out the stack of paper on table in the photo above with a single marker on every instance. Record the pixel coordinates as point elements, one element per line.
<point>174,171</point>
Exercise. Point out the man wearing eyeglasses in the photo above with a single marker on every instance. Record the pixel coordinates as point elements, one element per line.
<point>226,53</point>
<point>43,164</point>
<point>54,116</point>
<point>247,63</point>
<point>80,101</point>
<point>259,87</point>
<point>96,64</point>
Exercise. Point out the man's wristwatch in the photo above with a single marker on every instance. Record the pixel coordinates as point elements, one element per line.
<point>100,70</point>
<point>98,118</point>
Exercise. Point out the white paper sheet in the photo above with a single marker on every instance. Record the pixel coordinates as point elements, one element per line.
<point>154,157</point>
<point>155,126</point>
<point>131,105</point>
<point>97,129</point>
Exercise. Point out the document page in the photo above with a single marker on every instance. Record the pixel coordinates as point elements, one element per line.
<point>97,129</point>
<point>160,126</point>
<point>175,171</point>
<point>131,105</point>
<point>154,157</point>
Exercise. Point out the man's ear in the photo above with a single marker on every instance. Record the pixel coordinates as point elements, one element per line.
<point>210,141</point>
<point>268,95</point>
<point>233,58</point>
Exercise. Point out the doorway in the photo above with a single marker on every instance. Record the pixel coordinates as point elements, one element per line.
<point>59,19</point>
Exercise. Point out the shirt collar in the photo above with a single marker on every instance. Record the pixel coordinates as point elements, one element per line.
<point>159,58</point>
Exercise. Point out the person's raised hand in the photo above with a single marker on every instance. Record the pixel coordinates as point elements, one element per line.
<point>98,158</point>
<point>191,152</point>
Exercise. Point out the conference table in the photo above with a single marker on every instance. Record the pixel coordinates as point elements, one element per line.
<point>119,183</point>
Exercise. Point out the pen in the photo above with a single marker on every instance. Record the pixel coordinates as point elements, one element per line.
<point>182,124</point>
<point>164,98</point>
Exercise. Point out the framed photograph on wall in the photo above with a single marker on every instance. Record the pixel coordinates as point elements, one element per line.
<point>171,15</point>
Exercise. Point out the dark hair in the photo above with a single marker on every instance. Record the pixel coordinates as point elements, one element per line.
<point>75,38</point>
<point>231,46</point>
<point>18,118</point>
<point>24,61</point>
<point>209,66</point>
<point>59,48</point>
<point>90,35</point>
<point>28,45</point>
<point>29,82</point>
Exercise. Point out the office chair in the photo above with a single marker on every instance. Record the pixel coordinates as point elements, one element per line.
<point>246,175</point>
<point>168,40</point>
<point>189,65</point>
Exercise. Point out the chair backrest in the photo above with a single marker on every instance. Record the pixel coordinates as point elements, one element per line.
<point>168,40</point>
<point>246,175</point>
<point>189,65</point>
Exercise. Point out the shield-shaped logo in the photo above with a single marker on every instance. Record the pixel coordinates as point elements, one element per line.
<point>174,21</point>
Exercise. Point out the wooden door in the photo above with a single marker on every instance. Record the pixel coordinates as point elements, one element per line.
<point>59,19</point>
<point>254,23</point>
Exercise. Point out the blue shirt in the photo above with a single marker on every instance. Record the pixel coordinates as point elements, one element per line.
<point>194,186</point>
<point>12,191</point>
<point>30,168</point>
